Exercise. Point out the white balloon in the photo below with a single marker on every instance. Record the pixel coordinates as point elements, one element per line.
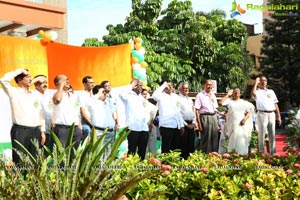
<point>142,51</point>
<point>143,70</point>
<point>53,35</point>
<point>136,66</point>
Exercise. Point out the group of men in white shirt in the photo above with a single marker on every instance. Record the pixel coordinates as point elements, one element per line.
<point>36,112</point>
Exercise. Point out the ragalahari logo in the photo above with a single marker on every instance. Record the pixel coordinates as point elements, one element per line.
<point>236,10</point>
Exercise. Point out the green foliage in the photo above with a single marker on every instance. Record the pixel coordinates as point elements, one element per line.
<point>183,45</point>
<point>293,130</point>
<point>281,53</point>
<point>227,176</point>
<point>254,140</point>
<point>85,176</point>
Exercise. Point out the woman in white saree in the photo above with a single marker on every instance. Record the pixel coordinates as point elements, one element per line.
<point>239,123</point>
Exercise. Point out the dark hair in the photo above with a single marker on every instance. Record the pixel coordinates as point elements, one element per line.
<point>20,77</point>
<point>96,89</point>
<point>85,79</point>
<point>165,80</point>
<point>102,84</point>
<point>143,90</point>
<point>40,75</point>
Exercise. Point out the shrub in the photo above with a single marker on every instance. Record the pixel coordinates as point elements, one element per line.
<point>56,176</point>
<point>227,176</point>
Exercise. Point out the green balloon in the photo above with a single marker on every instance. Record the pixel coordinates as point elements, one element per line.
<point>137,55</point>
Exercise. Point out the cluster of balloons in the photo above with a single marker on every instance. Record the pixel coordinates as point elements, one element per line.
<point>138,60</point>
<point>47,36</point>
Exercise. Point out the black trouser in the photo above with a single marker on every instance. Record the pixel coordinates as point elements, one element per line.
<point>187,142</point>
<point>138,139</point>
<point>24,135</point>
<point>62,132</point>
<point>170,139</point>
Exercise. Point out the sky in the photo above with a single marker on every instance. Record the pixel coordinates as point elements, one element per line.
<point>89,18</point>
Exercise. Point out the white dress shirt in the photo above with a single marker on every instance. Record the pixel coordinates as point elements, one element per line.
<point>101,113</point>
<point>84,99</point>
<point>47,107</point>
<point>135,110</point>
<point>187,109</point>
<point>67,111</point>
<point>265,99</point>
<point>25,105</point>
<point>169,106</point>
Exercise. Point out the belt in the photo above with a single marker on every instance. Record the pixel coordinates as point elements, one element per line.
<point>63,126</point>
<point>207,114</point>
<point>103,129</point>
<point>266,111</point>
<point>189,121</point>
<point>25,127</point>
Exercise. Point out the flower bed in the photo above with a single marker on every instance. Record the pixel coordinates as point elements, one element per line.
<point>227,176</point>
<point>202,176</point>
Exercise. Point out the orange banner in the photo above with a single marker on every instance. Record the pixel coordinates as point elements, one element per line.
<point>22,53</point>
<point>102,63</point>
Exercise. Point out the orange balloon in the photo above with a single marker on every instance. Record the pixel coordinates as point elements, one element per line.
<point>43,42</point>
<point>47,37</point>
<point>41,32</point>
<point>137,40</point>
<point>134,60</point>
<point>143,64</point>
<point>138,46</point>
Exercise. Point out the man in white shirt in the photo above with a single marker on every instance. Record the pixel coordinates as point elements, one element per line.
<point>111,100</point>
<point>41,85</point>
<point>27,114</point>
<point>187,139</point>
<point>136,118</point>
<point>84,98</point>
<point>171,123</point>
<point>267,113</point>
<point>101,115</point>
<point>66,111</point>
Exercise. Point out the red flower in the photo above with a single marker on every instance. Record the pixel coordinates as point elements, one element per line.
<point>276,155</point>
<point>123,197</point>
<point>296,165</point>
<point>155,161</point>
<point>166,167</point>
<point>235,161</point>
<point>204,169</point>
<point>166,172</point>
<point>269,161</point>
<point>226,155</point>
<point>214,154</point>
<point>289,171</point>
<point>248,186</point>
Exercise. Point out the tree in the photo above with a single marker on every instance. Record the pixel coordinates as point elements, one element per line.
<point>184,45</point>
<point>281,53</point>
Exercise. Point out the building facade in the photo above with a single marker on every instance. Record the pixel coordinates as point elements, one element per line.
<point>26,18</point>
